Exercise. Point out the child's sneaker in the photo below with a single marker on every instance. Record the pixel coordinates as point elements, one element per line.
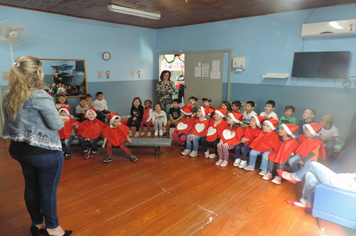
<point>267,176</point>
<point>242,164</point>
<point>67,156</point>
<point>277,180</point>
<point>133,158</point>
<point>249,167</point>
<point>166,134</point>
<point>237,162</point>
<point>213,155</point>
<point>193,154</point>
<point>142,134</point>
<point>130,133</point>
<point>206,154</point>
<point>185,152</point>
<point>86,154</point>
<point>224,163</point>
<point>160,132</point>
<point>263,172</point>
<point>136,134</point>
<point>93,153</point>
<point>156,133</point>
<point>219,162</point>
<point>148,134</point>
<point>107,159</point>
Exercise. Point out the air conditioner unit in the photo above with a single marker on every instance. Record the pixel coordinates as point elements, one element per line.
<point>328,29</point>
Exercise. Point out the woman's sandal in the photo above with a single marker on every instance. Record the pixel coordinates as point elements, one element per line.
<point>293,203</point>
<point>36,231</point>
<point>66,233</point>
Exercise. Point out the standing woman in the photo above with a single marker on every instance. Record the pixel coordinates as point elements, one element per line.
<point>56,76</point>
<point>165,89</point>
<point>31,123</point>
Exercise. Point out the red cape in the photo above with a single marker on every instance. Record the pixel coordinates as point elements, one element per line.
<point>90,130</point>
<point>251,134</point>
<point>184,125</point>
<point>67,129</point>
<point>284,151</point>
<point>265,142</point>
<point>234,138</point>
<point>309,145</point>
<point>116,135</point>
<point>214,131</point>
<point>200,128</point>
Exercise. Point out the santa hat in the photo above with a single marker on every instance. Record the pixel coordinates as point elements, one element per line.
<point>66,109</point>
<point>272,123</point>
<point>237,117</point>
<point>187,110</point>
<point>290,129</point>
<point>112,117</point>
<point>221,111</point>
<point>259,120</point>
<point>88,110</point>
<point>313,128</point>
<point>206,111</point>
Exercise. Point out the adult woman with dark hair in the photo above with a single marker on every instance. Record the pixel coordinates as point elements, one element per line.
<point>165,89</point>
<point>56,76</point>
<point>31,123</point>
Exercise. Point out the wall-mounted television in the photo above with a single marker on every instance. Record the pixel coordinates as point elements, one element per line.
<point>332,65</point>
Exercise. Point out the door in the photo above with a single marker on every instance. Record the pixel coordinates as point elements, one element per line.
<point>204,76</point>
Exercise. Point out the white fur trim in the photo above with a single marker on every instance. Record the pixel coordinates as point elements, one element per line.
<point>219,113</point>
<point>63,109</point>
<point>288,130</point>
<point>270,124</point>
<point>257,121</point>
<point>113,119</point>
<point>233,118</point>
<point>188,114</point>
<point>203,111</point>
<point>86,114</point>
<point>311,130</point>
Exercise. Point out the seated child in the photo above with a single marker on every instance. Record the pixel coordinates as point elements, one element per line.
<point>61,101</point>
<point>249,112</point>
<point>226,105</point>
<point>159,119</point>
<point>266,142</point>
<point>282,154</point>
<point>251,132</point>
<point>80,109</point>
<point>90,130</point>
<point>136,114</point>
<point>116,134</point>
<point>67,133</point>
<point>216,125</point>
<point>328,135</point>
<point>193,103</point>
<point>101,106</point>
<point>288,116</point>
<point>308,117</point>
<point>174,116</point>
<point>207,103</point>
<point>88,97</point>
<point>147,118</point>
<point>229,137</point>
<point>310,147</point>
<point>269,107</point>
<point>235,106</point>
<point>198,131</point>
<point>184,126</point>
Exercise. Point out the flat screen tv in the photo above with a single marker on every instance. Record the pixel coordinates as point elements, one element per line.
<point>332,65</point>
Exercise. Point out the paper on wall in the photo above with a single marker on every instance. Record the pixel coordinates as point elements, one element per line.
<point>214,74</point>
<point>205,70</point>
<point>197,71</point>
<point>215,65</point>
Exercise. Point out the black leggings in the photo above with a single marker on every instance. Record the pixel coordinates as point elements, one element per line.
<point>213,144</point>
<point>137,123</point>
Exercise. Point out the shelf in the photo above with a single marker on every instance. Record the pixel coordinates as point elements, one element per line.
<point>276,75</point>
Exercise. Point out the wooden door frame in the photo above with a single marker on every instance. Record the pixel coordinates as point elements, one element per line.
<point>206,51</point>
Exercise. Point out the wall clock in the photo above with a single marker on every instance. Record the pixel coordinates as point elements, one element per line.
<point>106,56</point>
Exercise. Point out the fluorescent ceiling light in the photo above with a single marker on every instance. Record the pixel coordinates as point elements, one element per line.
<point>134,12</point>
<point>335,25</point>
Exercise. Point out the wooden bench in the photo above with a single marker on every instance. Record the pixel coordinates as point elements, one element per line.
<point>156,143</point>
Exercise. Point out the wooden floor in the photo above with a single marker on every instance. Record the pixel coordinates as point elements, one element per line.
<point>170,195</point>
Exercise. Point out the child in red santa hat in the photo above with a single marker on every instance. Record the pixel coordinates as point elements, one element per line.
<point>216,125</point>
<point>251,132</point>
<point>90,130</point>
<point>67,133</point>
<point>266,142</point>
<point>184,126</point>
<point>198,131</point>
<point>229,137</point>
<point>116,134</point>
<point>282,154</point>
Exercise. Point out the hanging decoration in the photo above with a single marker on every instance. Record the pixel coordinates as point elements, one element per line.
<point>107,74</point>
<point>99,74</point>
<point>5,75</point>
<point>139,74</point>
<point>132,74</point>
<point>171,58</point>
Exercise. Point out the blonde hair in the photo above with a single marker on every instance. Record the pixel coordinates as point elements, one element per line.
<point>23,81</point>
<point>328,119</point>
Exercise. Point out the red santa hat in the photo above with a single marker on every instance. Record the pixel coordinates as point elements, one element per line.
<point>88,110</point>
<point>237,117</point>
<point>221,111</point>
<point>290,129</point>
<point>206,111</point>
<point>66,109</point>
<point>112,117</point>
<point>272,123</point>
<point>259,120</point>
<point>187,110</point>
<point>313,128</point>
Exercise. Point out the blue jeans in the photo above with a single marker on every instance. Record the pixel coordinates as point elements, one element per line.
<point>93,143</point>
<point>330,149</point>
<point>293,162</point>
<point>196,140</point>
<point>166,108</point>
<point>240,148</point>
<point>253,157</point>
<point>314,173</point>
<point>68,143</point>
<point>42,173</point>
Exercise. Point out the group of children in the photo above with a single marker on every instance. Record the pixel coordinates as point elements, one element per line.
<point>224,129</point>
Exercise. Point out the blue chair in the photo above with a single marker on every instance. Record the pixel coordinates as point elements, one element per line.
<point>334,204</point>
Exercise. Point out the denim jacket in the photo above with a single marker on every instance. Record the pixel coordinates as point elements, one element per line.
<point>37,123</point>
